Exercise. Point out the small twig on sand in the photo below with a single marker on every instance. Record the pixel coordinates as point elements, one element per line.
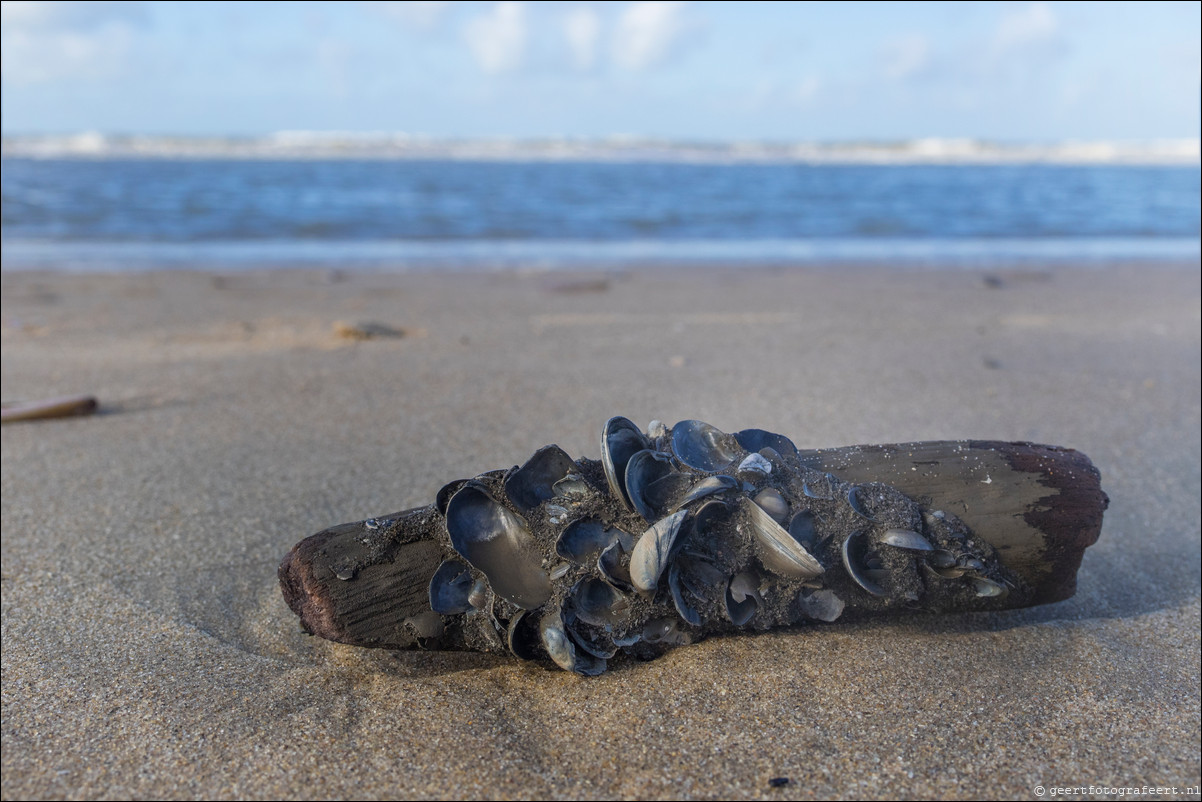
<point>50,408</point>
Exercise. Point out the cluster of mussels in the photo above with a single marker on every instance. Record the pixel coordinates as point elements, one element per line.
<point>680,533</point>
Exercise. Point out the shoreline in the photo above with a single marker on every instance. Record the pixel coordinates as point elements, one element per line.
<point>528,267</point>
<point>148,651</point>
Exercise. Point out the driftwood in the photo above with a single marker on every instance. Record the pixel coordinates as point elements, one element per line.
<point>558,559</point>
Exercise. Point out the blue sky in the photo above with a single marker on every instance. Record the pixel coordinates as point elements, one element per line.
<point>771,71</point>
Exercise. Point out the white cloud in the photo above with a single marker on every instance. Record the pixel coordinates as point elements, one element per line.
<point>1033,25</point>
<point>497,38</point>
<point>27,16</point>
<point>582,28</point>
<point>808,89</point>
<point>646,33</point>
<point>424,14</point>
<point>907,57</point>
<point>45,42</point>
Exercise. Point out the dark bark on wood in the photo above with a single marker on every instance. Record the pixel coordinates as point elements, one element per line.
<point>1039,506</point>
<point>390,584</point>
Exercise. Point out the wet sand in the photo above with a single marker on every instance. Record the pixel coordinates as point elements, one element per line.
<point>147,652</point>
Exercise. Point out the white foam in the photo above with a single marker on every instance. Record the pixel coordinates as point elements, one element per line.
<point>384,145</point>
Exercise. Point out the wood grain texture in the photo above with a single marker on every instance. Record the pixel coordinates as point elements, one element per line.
<point>1040,506</point>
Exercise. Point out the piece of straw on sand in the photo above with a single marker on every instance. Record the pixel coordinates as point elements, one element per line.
<point>64,407</point>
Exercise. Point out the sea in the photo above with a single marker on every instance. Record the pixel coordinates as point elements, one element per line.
<point>233,205</point>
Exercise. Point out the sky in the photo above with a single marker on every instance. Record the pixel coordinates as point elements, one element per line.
<point>1021,71</point>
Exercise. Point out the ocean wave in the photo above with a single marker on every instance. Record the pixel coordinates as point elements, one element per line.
<point>350,145</point>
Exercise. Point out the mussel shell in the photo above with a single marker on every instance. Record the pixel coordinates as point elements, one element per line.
<point>942,559</point>
<point>653,551</point>
<point>854,551</point>
<point>595,640</point>
<point>803,529</point>
<point>609,563</point>
<point>564,651</point>
<point>653,485</point>
<point>696,586</point>
<point>445,492</point>
<point>970,563</point>
<point>451,588</point>
<point>620,440</point>
<point>742,598</point>
<point>533,483</point>
<point>708,486</point>
<point>778,550</point>
<point>856,503</point>
<point>498,543</point>
<point>906,539</point>
<point>709,520</point>
<point>598,603</point>
<point>772,502</point>
<point>687,610</point>
<point>704,447</point>
<point>583,540</point>
<point>756,440</point>
<point>522,636</point>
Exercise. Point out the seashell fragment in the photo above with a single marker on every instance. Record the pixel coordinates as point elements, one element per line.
<point>742,598</point>
<point>941,558</point>
<point>598,603</point>
<point>534,482</point>
<point>522,636</point>
<point>701,446</point>
<point>754,465</point>
<point>779,551</point>
<point>987,587</point>
<point>711,518</point>
<point>563,651</point>
<point>571,486</point>
<point>906,539</point>
<point>498,543</point>
<point>854,555</point>
<point>653,485</point>
<point>620,440</point>
<point>821,605</point>
<point>772,502</point>
<point>451,588</point>
<point>584,540</point>
<point>610,564</point>
<point>708,486</point>
<point>802,528</point>
<point>593,640</point>
<point>857,504</point>
<point>653,550</point>
<point>756,440</point>
<point>445,492</point>
<point>684,606</point>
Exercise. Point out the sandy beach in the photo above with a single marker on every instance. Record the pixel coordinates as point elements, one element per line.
<point>147,651</point>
